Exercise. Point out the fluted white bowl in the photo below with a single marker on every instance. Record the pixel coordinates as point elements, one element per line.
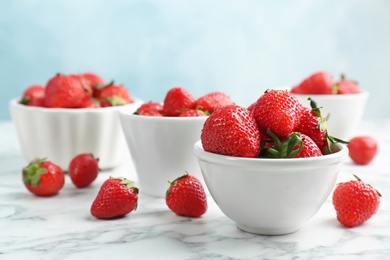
<point>270,196</point>
<point>59,134</point>
<point>161,148</point>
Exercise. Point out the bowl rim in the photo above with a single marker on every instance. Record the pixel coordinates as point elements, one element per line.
<point>363,94</point>
<point>123,113</point>
<point>327,159</point>
<point>15,104</point>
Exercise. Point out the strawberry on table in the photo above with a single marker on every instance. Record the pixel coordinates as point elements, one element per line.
<point>212,101</point>
<point>34,95</point>
<point>114,95</point>
<point>176,100</point>
<point>66,91</point>
<point>231,130</point>
<point>116,198</point>
<point>83,169</point>
<point>186,197</point>
<point>362,149</point>
<point>150,109</point>
<point>318,83</point>
<point>355,202</point>
<point>43,178</point>
<point>279,111</point>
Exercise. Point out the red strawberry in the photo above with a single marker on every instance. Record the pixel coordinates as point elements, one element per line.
<point>114,95</point>
<point>150,109</point>
<point>176,100</point>
<point>362,149</point>
<point>346,86</point>
<point>355,202</point>
<point>83,169</point>
<point>212,101</point>
<point>43,178</point>
<point>313,125</point>
<point>66,91</point>
<point>193,112</point>
<point>296,145</point>
<point>116,198</point>
<point>34,95</point>
<point>232,131</point>
<point>186,197</point>
<point>317,83</point>
<point>279,111</point>
<point>95,81</point>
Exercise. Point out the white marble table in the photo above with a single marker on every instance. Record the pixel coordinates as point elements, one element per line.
<point>61,227</point>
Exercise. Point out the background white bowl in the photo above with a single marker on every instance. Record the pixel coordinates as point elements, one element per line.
<point>269,196</point>
<point>161,148</point>
<point>346,111</point>
<point>59,134</point>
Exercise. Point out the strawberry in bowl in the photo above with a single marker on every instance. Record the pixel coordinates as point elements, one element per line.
<point>69,121</point>
<point>280,176</point>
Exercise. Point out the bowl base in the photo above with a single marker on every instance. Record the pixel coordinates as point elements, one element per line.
<point>268,231</point>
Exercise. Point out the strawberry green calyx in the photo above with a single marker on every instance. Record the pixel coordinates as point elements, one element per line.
<point>285,149</point>
<point>116,101</point>
<point>128,183</point>
<point>33,171</point>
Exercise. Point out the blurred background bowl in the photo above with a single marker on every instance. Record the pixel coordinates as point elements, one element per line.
<point>270,196</point>
<point>161,148</point>
<point>346,111</point>
<point>59,134</point>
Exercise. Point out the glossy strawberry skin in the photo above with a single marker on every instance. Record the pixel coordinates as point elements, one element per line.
<point>186,197</point>
<point>114,95</point>
<point>83,169</point>
<point>66,91</point>
<point>279,111</point>
<point>310,148</point>
<point>231,130</point>
<point>43,178</point>
<point>362,149</point>
<point>34,95</point>
<point>309,125</point>
<point>192,113</point>
<point>212,101</point>
<point>116,198</point>
<point>318,83</point>
<point>150,109</point>
<point>355,202</point>
<point>177,100</point>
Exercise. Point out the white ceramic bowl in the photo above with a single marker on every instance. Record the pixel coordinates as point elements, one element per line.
<point>161,148</point>
<point>346,111</point>
<point>61,133</point>
<point>269,196</point>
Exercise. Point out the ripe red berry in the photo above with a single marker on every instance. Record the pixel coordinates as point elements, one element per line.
<point>83,169</point>
<point>116,198</point>
<point>212,101</point>
<point>318,83</point>
<point>355,202</point>
<point>231,130</point>
<point>362,149</point>
<point>43,178</point>
<point>150,109</point>
<point>186,197</point>
<point>177,100</point>
<point>279,111</point>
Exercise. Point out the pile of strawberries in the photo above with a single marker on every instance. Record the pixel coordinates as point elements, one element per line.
<point>179,102</point>
<point>87,90</point>
<point>322,83</point>
<point>276,126</point>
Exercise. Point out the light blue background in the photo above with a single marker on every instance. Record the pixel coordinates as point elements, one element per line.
<point>239,47</point>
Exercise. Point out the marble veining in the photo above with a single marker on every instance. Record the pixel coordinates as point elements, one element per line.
<point>61,227</point>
